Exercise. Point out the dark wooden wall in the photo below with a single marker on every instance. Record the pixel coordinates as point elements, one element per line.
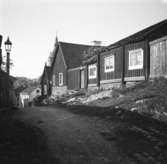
<point>6,86</point>
<point>45,81</point>
<point>74,79</point>
<point>59,67</point>
<point>158,59</point>
<point>136,72</point>
<point>116,74</point>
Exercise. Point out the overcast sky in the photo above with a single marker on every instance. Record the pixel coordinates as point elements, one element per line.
<point>33,25</point>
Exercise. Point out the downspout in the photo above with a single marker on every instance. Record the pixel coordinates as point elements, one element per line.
<point>147,61</point>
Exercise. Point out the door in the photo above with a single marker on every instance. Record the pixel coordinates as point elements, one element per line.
<point>82,79</point>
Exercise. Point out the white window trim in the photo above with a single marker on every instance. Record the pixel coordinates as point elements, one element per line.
<point>45,89</point>
<point>136,66</point>
<point>54,80</point>
<point>91,67</point>
<point>111,69</point>
<point>60,81</point>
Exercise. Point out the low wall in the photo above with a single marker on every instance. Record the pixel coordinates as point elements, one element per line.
<point>92,87</point>
<point>110,85</point>
<point>58,91</point>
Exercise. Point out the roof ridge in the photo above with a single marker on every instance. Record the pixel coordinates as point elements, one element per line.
<point>75,43</point>
<point>145,31</point>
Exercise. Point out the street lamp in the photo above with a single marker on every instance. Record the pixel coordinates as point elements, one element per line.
<point>8,46</point>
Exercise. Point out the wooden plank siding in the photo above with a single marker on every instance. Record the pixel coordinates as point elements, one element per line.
<point>116,74</point>
<point>74,79</point>
<point>136,72</point>
<point>158,58</point>
<point>59,67</point>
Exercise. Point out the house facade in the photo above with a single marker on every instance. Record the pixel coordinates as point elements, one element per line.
<point>141,56</point>
<point>111,68</point>
<point>158,57</point>
<point>68,72</point>
<point>77,78</point>
<point>136,58</point>
<point>46,81</point>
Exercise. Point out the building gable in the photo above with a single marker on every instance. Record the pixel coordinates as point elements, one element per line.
<point>59,67</point>
<point>73,53</point>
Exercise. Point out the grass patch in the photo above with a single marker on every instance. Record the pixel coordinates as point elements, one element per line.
<point>153,96</point>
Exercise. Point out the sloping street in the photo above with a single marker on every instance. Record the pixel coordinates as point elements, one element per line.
<point>72,138</point>
<point>59,135</point>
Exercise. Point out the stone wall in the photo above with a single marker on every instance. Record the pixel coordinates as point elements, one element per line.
<point>106,86</point>
<point>58,91</point>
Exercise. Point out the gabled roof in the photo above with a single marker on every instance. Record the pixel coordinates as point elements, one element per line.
<point>150,33</point>
<point>93,53</point>
<point>73,53</point>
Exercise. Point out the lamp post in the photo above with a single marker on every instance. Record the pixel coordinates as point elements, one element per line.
<point>8,46</point>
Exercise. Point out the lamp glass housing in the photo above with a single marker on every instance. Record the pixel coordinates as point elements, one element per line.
<point>8,45</point>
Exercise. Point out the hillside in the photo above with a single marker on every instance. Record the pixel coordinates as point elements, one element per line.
<point>146,97</point>
<point>23,83</point>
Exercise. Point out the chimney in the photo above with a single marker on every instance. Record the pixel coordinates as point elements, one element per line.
<point>96,43</point>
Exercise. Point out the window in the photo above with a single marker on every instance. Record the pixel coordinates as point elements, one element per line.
<point>109,63</point>
<point>60,79</point>
<point>136,59</point>
<point>92,70</point>
<point>45,89</point>
<point>54,80</point>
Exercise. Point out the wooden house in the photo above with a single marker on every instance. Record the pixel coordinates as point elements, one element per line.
<point>46,81</point>
<point>92,64</point>
<point>111,67</point>
<point>68,73</point>
<point>138,57</point>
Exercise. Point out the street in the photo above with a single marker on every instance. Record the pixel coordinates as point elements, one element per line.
<point>70,137</point>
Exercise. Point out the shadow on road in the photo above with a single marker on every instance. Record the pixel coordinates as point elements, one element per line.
<point>20,143</point>
<point>137,136</point>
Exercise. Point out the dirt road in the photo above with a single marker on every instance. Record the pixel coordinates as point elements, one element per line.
<point>60,135</point>
<point>72,138</point>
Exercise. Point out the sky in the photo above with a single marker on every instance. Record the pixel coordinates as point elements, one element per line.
<point>33,25</point>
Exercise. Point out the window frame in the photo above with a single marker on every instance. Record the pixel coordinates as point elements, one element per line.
<point>54,79</point>
<point>45,89</point>
<point>91,67</point>
<point>110,69</point>
<point>134,67</point>
<point>60,78</point>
